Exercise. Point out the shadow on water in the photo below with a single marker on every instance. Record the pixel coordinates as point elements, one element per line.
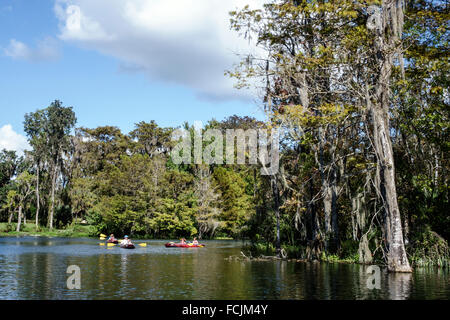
<point>35,268</point>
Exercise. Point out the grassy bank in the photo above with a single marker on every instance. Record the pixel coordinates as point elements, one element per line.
<point>296,252</point>
<point>431,254</point>
<point>73,231</point>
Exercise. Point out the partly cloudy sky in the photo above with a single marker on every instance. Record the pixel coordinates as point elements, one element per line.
<point>47,49</point>
<point>10,140</point>
<point>187,42</point>
<point>118,62</point>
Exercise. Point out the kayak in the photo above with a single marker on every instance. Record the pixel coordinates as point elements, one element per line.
<point>179,245</point>
<point>127,246</point>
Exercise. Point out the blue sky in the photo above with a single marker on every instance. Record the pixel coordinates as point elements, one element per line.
<point>118,62</point>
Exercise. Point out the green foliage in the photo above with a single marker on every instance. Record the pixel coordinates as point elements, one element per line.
<point>74,230</point>
<point>258,248</point>
<point>9,164</point>
<point>349,249</point>
<point>429,249</point>
<point>234,203</point>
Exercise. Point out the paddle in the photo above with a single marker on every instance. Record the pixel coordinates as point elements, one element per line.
<point>141,244</point>
<point>110,244</point>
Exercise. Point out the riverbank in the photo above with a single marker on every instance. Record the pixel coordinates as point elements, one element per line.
<point>29,229</point>
<point>432,253</point>
<point>297,253</point>
<point>75,230</point>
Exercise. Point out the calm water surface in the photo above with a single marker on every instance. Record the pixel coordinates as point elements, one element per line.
<point>35,268</point>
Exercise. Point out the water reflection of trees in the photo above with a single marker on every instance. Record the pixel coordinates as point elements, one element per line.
<point>393,286</point>
<point>434,283</point>
<point>399,285</point>
<point>159,273</point>
<point>36,276</point>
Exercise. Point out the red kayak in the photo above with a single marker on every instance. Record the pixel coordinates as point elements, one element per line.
<point>186,245</point>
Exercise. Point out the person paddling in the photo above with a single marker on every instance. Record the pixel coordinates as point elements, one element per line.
<point>111,238</point>
<point>195,242</point>
<point>183,241</point>
<point>126,241</point>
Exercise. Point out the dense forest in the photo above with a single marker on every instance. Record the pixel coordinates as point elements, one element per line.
<point>359,92</point>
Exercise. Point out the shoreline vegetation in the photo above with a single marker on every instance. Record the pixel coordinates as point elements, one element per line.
<point>264,251</point>
<point>74,230</point>
<point>29,229</point>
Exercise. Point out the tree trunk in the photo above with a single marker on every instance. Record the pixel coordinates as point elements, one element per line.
<point>327,199</point>
<point>10,217</point>
<point>334,213</point>
<point>19,218</point>
<point>329,194</point>
<point>365,255</point>
<point>52,205</point>
<point>330,211</point>
<point>397,259</point>
<point>386,45</point>
<point>276,198</point>
<point>312,212</point>
<point>326,190</point>
<point>38,202</point>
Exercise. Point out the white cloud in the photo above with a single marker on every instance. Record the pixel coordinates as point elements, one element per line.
<point>186,42</point>
<point>46,49</point>
<point>17,50</point>
<point>10,140</point>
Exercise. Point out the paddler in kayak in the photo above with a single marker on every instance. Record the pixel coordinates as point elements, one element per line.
<point>112,238</point>
<point>195,242</point>
<point>126,241</point>
<point>183,241</point>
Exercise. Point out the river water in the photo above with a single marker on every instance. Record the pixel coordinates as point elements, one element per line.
<point>36,268</point>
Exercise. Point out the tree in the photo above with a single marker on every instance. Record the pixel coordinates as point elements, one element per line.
<point>151,139</point>
<point>34,127</point>
<point>234,203</point>
<point>8,166</point>
<point>10,204</point>
<point>387,45</point>
<point>48,132</point>
<point>328,62</point>
<point>81,196</point>
<point>25,182</point>
<point>207,212</point>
